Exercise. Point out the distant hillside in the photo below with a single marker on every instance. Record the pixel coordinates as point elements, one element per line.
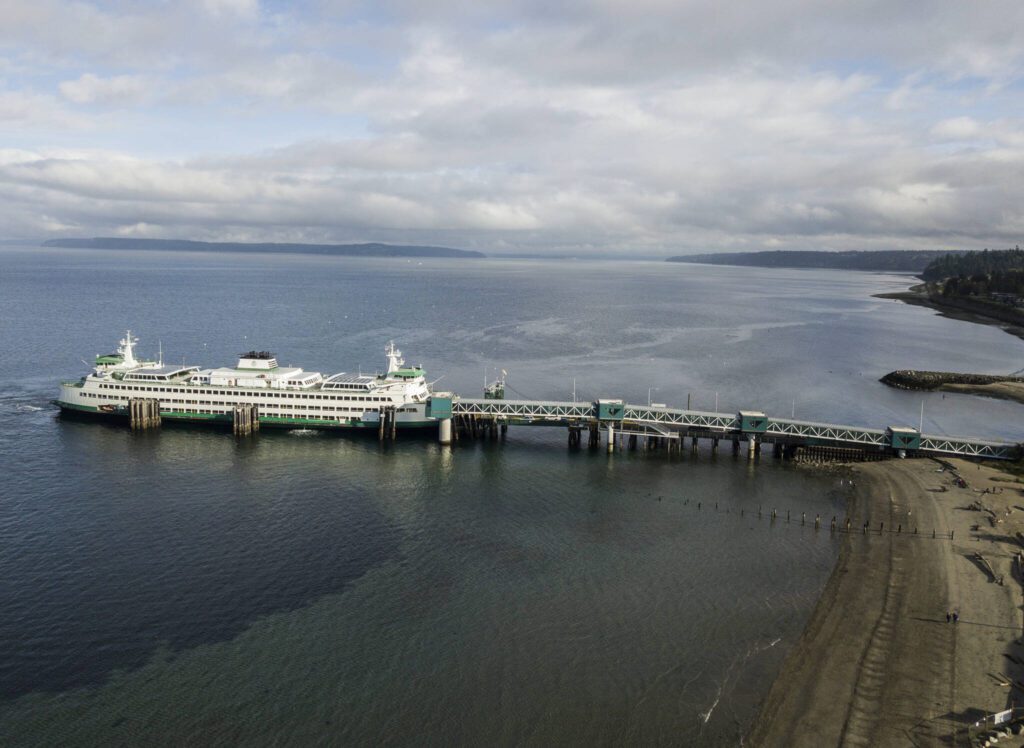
<point>909,261</point>
<point>343,250</point>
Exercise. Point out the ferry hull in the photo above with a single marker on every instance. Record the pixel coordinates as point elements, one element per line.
<point>91,413</point>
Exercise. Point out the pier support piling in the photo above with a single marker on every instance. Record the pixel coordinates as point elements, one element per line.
<point>387,428</point>
<point>144,413</point>
<point>444,431</point>
<point>245,420</point>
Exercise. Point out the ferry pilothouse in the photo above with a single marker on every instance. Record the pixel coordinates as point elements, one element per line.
<point>285,396</point>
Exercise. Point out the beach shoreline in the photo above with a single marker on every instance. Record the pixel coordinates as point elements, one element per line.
<point>960,310</point>
<point>998,390</point>
<point>877,663</point>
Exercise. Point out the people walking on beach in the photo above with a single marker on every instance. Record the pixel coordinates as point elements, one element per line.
<point>956,616</point>
<point>948,616</point>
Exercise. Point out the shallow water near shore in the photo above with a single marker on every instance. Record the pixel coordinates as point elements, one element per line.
<point>303,587</point>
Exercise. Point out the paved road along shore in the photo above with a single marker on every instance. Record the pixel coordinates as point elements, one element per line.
<point>878,664</point>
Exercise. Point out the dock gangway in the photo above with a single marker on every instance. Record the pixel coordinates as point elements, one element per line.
<point>675,423</point>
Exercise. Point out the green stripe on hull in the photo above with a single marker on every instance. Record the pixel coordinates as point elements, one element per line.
<point>81,408</point>
<point>174,415</point>
<point>314,424</point>
<point>265,421</point>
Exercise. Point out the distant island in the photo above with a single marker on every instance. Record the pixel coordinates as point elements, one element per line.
<point>897,261</point>
<point>341,250</point>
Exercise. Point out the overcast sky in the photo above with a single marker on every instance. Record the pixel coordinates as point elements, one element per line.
<point>646,126</point>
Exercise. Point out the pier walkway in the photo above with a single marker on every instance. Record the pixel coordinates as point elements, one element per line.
<point>616,419</point>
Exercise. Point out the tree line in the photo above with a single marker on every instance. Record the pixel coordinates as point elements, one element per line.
<point>978,274</point>
<point>970,264</point>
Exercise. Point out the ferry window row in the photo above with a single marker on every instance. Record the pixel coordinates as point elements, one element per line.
<point>303,395</point>
<point>270,406</point>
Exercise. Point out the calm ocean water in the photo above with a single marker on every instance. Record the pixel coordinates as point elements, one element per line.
<point>182,587</point>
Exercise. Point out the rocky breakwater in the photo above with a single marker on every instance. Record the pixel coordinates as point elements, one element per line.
<point>911,379</point>
<point>987,385</point>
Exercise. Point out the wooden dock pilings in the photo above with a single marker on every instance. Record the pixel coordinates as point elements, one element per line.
<point>671,441</point>
<point>488,427</point>
<point>837,454</point>
<point>387,428</point>
<point>245,420</point>
<point>836,526</point>
<point>675,442</point>
<point>144,413</point>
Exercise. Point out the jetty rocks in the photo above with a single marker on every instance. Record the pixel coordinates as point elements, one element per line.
<point>910,379</point>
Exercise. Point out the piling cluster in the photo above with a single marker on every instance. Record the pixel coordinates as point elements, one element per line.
<point>678,442</point>
<point>144,413</point>
<point>463,426</point>
<point>818,454</point>
<point>387,429</point>
<point>480,427</point>
<point>245,420</point>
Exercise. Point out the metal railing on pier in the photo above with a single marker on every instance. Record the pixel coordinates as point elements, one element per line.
<point>674,423</point>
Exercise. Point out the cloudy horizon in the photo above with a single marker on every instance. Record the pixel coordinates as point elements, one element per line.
<point>648,127</point>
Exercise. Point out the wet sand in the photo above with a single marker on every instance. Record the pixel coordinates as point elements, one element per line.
<point>878,664</point>
<point>916,295</point>
<point>1002,390</point>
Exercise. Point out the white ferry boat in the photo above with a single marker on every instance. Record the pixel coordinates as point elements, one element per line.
<point>284,396</point>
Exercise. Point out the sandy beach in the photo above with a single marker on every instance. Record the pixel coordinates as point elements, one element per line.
<point>1008,320</point>
<point>1001,390</point>
<point>878,664</point>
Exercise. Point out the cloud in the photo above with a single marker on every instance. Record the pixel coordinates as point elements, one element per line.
<point>653,126</point>
<point>248,9</point>
<point>957,128</point>
<point>26,110</point>
<point>91,89</point>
